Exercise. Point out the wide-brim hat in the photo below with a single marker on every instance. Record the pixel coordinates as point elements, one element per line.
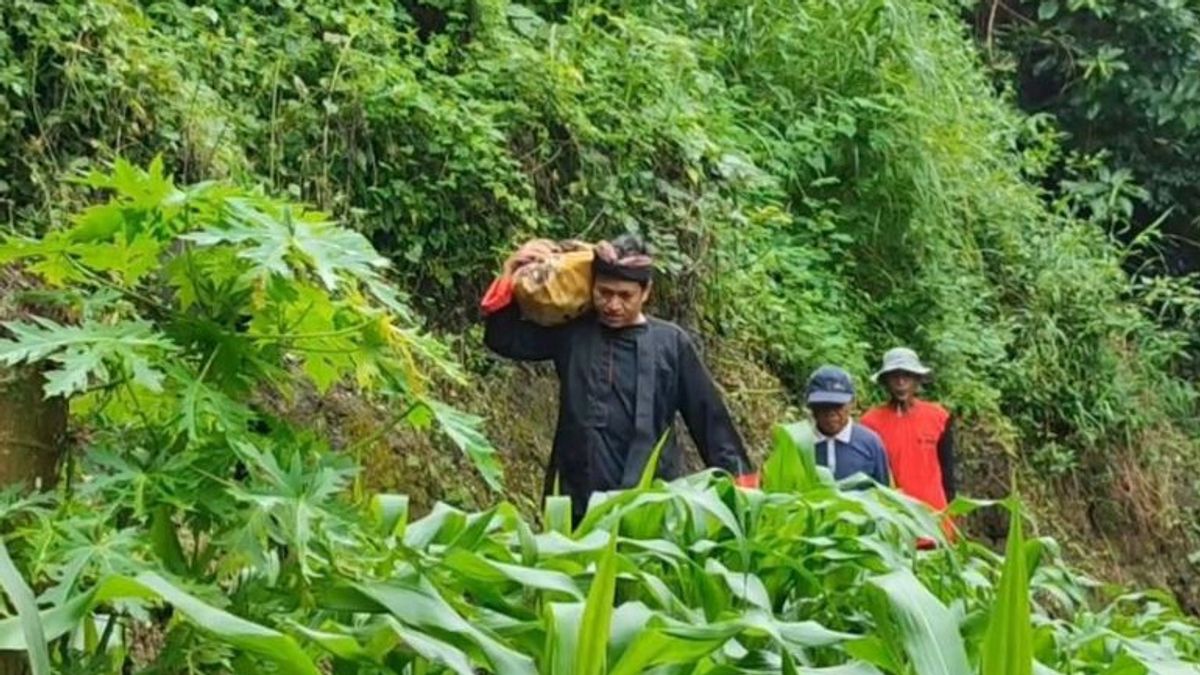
<point>902,360</point>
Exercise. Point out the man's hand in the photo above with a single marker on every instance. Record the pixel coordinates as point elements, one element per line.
<point>533,251</point>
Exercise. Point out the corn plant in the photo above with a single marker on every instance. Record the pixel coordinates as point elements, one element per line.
<point>201,532</point>
<point>821,580</point>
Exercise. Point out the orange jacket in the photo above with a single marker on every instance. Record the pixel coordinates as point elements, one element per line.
<point>920,449</point>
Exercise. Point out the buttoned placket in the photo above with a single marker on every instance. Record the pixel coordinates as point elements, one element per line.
<point>831,454</point>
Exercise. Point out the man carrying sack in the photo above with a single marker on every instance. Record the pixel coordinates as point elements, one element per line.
<point>623,377</point>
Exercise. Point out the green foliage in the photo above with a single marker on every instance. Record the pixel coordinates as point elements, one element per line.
<point>1120,78</point>
<point>173,367</point>
<point>792,465</point>
<point>240,289</point>
<point>813,581</point>
<point>21,597</point>
<point>1008,643</point>
<point>821,180</point>
<point>590,645</point>
<point>920,622</point>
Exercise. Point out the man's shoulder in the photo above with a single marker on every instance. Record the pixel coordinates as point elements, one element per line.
<point>658,324</point>
<point>668,331</point>
<point>875,414</point>
<point>861,434</point>
<point>932,409</point>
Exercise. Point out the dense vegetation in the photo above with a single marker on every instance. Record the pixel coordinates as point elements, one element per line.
<point>1120,79</point>
<point>822,179</point>
<point>196,303</point>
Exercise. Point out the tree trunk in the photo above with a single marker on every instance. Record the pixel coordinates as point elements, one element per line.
<point>32,435</point>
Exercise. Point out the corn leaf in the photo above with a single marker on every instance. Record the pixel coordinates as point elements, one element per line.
<point>1008,643</point>
<point>925,627</point>
<point>562,634</point>
<point>433,649</point>
<point>596,625</point>
<point>557,514</point>
<point>792,466</point>
<point>470,565</point>
<point>390,512</point>
<point>651,468</point>
<point>28,618</point>
<point>266,643</point>
<point>419,605</point>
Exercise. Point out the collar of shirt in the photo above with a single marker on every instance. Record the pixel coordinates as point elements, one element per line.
<point>843,435</point>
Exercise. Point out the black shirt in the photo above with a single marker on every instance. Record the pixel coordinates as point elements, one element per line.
<point>619,367</point>
<point>656,366</point>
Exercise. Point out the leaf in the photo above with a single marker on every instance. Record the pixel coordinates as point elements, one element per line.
<point>269,644</point>
<point>419,605</point>
<point>471,565</point>
<point>131,260</point>
<point>235,631</point>
<point>926,628</point>
<point>30,620</point>
<point>463,429</point>
<point>269,235</point>
<point>557,514</point>
<point>433,649</point>
<point>1008,642</point>
<point>164,542</point>
<point>265,240</point>
<point>651,468</point>
<point>85,352</point>
<point>591,652</point>
<point>336,250</point>
<point>744,586</point>
<point>562,637</point>
<point>791,466</point>
<point>390,513</point>
<point>206,410</point>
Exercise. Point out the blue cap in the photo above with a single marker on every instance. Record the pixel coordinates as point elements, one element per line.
<point>829,385</point>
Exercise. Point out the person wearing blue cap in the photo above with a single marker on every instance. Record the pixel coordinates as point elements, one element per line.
<point>843,446</point>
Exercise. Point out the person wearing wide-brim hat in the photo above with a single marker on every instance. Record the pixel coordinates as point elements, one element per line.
<point>918,434</point>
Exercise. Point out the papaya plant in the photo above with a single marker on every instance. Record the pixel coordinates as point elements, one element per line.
<point>202,529</point>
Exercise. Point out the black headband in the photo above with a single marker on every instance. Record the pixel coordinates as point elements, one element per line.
<point>640,273</point>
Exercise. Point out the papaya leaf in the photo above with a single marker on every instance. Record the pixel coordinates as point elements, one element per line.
<point>275,237</point>
<point>464,430</point>
<point>91,351</point>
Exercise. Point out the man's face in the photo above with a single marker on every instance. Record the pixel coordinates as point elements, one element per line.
<point>830,417</point>
<point>618,302</point>
<point>901,385</point>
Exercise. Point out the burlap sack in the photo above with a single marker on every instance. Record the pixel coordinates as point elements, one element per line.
<point>557,288</point>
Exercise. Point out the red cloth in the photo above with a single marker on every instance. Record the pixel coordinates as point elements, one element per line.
<point>499,295</point>
<point>911,441</point>
<point>746,480</point>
